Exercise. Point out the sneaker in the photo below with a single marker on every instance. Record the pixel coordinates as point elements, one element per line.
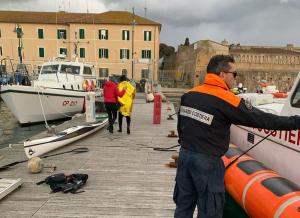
<point>120,130</point>
<point>128,131</point>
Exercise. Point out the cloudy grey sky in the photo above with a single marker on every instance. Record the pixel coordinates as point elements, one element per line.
<point>248,22</point>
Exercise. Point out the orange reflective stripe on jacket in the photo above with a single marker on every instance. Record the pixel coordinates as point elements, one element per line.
<point>214,85</point>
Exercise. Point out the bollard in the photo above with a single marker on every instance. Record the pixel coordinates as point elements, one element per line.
<point>157,109</point>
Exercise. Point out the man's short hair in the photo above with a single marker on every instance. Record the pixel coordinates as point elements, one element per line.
<point>123,78</point>
<point>219,63</point>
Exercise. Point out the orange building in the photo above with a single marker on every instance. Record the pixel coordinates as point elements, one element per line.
<point>114,41</point>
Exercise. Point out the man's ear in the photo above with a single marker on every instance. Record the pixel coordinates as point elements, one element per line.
<point>222,74</point>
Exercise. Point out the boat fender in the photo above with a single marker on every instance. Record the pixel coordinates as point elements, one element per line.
<point>65,183</point>
<point>92,86</point>
<point>86,85</point>
<point>35,165</point>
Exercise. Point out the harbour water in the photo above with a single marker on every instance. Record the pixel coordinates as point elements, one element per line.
<point>10,130</point>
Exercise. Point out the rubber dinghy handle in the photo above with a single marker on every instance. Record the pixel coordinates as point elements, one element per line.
<point>75,151</point>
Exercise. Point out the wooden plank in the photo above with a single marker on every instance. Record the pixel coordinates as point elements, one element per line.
<point>8,185</point>
<point>127,178</point>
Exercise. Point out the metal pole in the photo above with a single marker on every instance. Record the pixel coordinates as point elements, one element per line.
<point>132,45</point>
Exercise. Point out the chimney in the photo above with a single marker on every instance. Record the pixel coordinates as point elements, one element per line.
<point>289,46</point>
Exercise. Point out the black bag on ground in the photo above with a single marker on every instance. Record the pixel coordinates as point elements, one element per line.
<point>65,183</point>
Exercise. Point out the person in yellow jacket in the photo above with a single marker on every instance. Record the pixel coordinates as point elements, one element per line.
<point>126,102</point>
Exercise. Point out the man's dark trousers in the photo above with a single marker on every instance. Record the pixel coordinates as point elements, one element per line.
<point>199,181</point>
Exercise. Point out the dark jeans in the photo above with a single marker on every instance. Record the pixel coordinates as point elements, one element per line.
<point>199,181</point>
<point>111,109</point>
<point>120,119</point>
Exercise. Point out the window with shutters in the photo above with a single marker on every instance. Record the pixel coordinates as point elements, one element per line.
<point>82,52</point>
<point>103,34</point>
<point>147,35</point>
<point>125,35</point>
<point>146,54</point>
<point>103,72</point>
<point>81,34</point>
<point>61,34</point>
<point>41,52</point>
<point>124,53</point>
<point>40,33</point>
<point>103,53</point>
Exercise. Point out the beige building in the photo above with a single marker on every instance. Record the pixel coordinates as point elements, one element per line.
<point>114,41</point>
<point>190,61</point>
<point>275,65</point>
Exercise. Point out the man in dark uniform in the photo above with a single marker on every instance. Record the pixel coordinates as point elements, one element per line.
<point>205,116</point>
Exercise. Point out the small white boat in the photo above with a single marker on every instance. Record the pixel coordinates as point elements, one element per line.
<point>59,92</point>
<point>38,147</point>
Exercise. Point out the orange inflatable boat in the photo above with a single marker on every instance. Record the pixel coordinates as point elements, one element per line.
<point>259,190</point>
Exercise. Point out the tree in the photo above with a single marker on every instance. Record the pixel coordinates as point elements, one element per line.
<point>165,50</point>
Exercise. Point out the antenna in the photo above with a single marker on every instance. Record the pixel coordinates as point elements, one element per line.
<point>145,8</point>
<point>87,7</point>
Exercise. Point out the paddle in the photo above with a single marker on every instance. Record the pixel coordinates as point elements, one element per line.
<point>75,151</point>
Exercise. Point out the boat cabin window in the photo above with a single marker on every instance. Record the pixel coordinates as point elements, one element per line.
<point>295,101</point>
<point>87,71</point>
<point>69,69</point>
<point>47,69</point>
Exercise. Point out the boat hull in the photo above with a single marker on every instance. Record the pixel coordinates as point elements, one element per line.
<point>39,147</point>
<point>273,151</point>
<point>35,104</point>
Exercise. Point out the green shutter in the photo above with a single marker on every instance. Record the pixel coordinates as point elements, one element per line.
<point>41,52</point>
<point>149,35</point>
<point>121,53</point>
<point>145,35</point>
<point>82,52</point>
<point>58,36</point>
<point>106,33</point>
<point>149,54</point>
<point>106,50</point>
<point>143,53</point>
<point>99,52</point>
<point>123,34</point>
<point>99,34</point>
<point>127,53</point>
<point>128,35</point>
<point>40,33</point>
<point>81,33</point>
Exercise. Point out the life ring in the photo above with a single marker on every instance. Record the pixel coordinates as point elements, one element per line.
<point>280,94</point>
<point>92,86</point>
<point>86,85</point>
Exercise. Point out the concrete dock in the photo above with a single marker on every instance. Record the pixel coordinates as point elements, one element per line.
<point>127,178</point>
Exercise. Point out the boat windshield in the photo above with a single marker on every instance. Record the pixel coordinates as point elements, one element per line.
<point>70,69</point>
<point>295,101</point>
<point>47,69</point>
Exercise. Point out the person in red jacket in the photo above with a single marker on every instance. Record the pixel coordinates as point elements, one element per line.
<point>111,94</point>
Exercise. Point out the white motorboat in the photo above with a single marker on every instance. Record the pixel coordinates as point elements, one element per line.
<point>38,147</point>
<point>58,92</point>
<point>281,150</point>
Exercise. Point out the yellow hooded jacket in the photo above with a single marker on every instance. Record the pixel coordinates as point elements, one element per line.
<point>126,100</point>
